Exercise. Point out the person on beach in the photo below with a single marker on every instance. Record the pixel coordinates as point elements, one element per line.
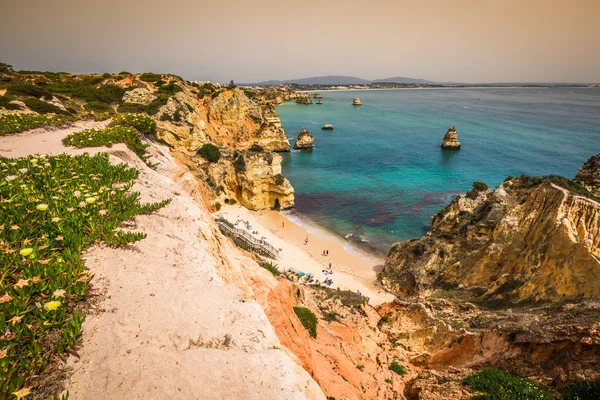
<point>283,224</point>
<point>327,252</point>
<point>306,240</point>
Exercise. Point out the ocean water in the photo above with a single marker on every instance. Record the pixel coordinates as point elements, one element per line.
<point>380,175</point>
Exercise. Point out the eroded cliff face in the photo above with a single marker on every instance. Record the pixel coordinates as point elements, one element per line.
<point>517,243</point>
<point>246,133</point>
<point>589,175</point>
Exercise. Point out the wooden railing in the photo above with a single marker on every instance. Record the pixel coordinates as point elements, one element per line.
<point>260,246</point>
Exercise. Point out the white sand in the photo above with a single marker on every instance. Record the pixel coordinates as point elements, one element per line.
<point>351,271</point>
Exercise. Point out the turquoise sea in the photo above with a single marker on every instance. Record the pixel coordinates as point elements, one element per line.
<point>380,175</point>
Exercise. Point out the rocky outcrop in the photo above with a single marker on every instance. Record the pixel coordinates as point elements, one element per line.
<point>589,175</point>
<point>318,96</point>
<point>451,140</point>
<point>138,96</point>
<point>303,98</point>
<point>356,102</point>
<point>304,141</point>
<point>528,240</point>
<point>327,127</point>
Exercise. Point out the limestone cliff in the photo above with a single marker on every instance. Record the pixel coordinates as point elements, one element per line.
<point>528,240</point>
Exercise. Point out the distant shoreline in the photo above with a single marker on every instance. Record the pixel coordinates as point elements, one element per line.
<point>439,88</point>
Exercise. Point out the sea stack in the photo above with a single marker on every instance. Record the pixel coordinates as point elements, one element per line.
<point>318,96</point>
<point>451,140</point>
<point>327,127</point>
<point>356,101</point>
<point>304,141</point>
<point>303,98</point>
<point>320,102</point>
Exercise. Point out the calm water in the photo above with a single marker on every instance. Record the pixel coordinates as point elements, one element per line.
<point>381,174</point>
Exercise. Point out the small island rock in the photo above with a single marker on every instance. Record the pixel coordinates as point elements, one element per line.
<point>451,140</point>
<point>318,96</point>
<point>327,127</point>
<point>304,141</point>
<point>356,101</point>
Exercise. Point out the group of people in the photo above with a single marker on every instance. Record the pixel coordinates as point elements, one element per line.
<point>326,252</point>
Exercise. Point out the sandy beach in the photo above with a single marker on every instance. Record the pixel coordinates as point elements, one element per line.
<point>353,270</point>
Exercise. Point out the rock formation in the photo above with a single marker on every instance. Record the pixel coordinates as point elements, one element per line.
<point>304,141</point>
<point>356,101</point>
<point>451,140</point>
<point>320,102</point>
<point>528,240</point>
<point>138,96</point>
<point>327,127</point>
<point>589,175</point>
<point>318,96</point>
<point>303,98</point>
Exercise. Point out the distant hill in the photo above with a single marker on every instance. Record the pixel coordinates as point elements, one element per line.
<point>402,79</point>
<point>318,80</point>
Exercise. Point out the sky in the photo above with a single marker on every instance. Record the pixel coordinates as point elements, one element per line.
<point>467,41</point>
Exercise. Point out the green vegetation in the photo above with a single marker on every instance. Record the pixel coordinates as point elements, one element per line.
<point>497,385</point>
<point>5,68</point>
<point>238,162</point>
<point>28,90</point>
<point>348,298</point>
<point>150,109</point>
<point>51,210</point>
<point>142,123</point>
<point>13,123</point>
<point>308,320</point>
<point>360,367</point>
<point>398,368</point>
<point>107,137</point>
<point>480,186</point>
<point>256,148</point>
<point>582,390</point>
<point>85,89</point>
<point>558,180</point>
<point>97,106</point>
<point>210,152</point>
<point>42,107</point>
<point>170,89</point>
<point>269,266</point>
<point>150,77</point>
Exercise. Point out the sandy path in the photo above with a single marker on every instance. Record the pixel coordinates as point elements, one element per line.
<point>351,271</point>
<point>170,326</point>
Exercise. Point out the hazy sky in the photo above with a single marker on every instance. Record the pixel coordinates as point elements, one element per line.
<point>244,40</point>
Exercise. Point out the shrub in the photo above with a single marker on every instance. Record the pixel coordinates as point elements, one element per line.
<point>498,385</point>
<point>142,123</point>
<point>6,68</point>
<point>12,123</point>
<point>159,83</point>
<point>150,77</point>
<point>271,268</point>
<point>238,162</point>
<point>106,75</point>
<point>582,390</point>
<point>210,152</point>
<point>508,178</point>
<point>42,107</point>
<point>308,320</point>
<point>279,179</point>
<point>398,368</point>
<point>29,90</point>
<point>480,186</point>
<point>98,106</point>
<point>60,206</point>
<point>150,109</point>
<point>256,148</point>
<point>170,88</point>
<point>5,100</point>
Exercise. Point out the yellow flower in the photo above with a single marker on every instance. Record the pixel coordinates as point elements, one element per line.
<point>26,251</point>
<point>42,207</point>
<point>52,305</point>
<point>90,200</point>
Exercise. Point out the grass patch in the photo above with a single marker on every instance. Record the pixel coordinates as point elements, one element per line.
<point>308,320</point>
<point>29,90</point>
<point>210,152</point>
<point>497,385</point>
<point>97,106</point>
<point>279,179</point>
<point>13,123</point>
<point>398,368</point>
<point>150,109</point>
<point>582,390</point>
<point>51,210</point>
<point>348,298</point>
